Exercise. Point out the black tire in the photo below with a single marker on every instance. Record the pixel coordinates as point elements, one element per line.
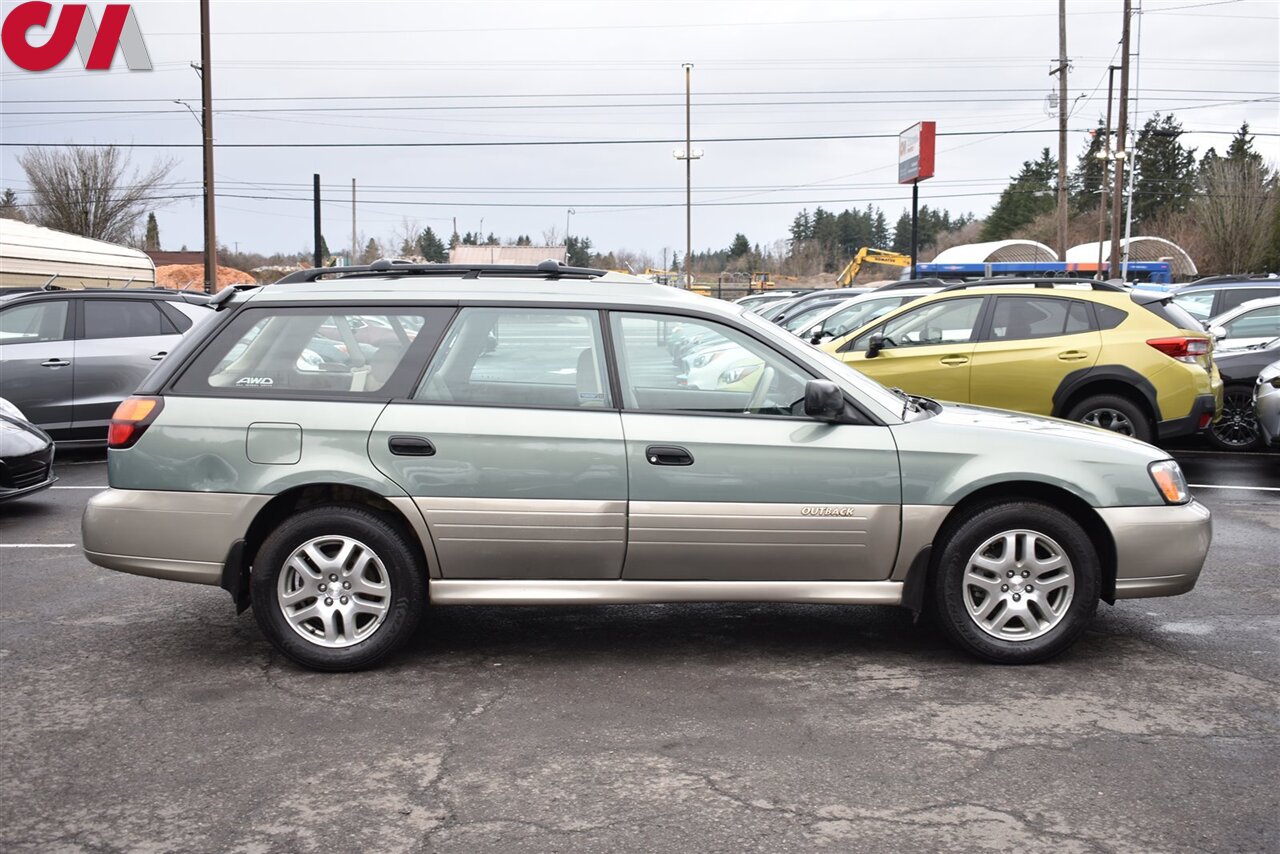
<point>1237,429</point>
<point>961,542</point>
<point>1113,412</point>
<point>396,562</point>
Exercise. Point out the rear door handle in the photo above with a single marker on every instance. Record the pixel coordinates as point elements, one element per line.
<point>158,356</point>
<point>954,360</point>
<point>1072,355</point>
<point>55,363</point>
<point>411,446</point>
<point>668,455</point>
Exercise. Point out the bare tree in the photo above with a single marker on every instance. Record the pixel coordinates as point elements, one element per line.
<point>1235,211</point>
<point>91,191</point>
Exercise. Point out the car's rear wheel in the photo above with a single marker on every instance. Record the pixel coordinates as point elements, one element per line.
<point>1115,413</point>
<point>1237,429</point>
<point>1017,582</point>
<point>337,588</point>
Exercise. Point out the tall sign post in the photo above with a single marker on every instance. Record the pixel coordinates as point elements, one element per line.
<point>915,164</point>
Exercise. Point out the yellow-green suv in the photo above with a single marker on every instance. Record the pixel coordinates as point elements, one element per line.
<point>1087,351</point>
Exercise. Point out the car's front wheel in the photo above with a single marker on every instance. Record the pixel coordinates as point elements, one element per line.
<point>1237,429</point>
<point>337,588</point>
<point>1017,582</point>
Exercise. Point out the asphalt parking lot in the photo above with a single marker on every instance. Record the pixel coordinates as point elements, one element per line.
<point>143,715</point>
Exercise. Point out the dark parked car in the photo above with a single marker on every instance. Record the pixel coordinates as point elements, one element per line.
<point>26,454</point>
<point>1211,297</point>
<point>1237,429</point>
<point>68,357</point>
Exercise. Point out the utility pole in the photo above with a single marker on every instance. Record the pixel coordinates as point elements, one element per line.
<point>1133,170</point>
<point>354,248</point>
<point>1105,155</point>
<point>206,124</point>
<point>1062,128</point>
<point>688,156</point>
<point>1122,141</point>
<point>315,186</point>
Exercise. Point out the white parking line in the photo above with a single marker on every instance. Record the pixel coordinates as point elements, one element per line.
<point>77,487</point>
<point>1216,486</point>
<point>38,546</point>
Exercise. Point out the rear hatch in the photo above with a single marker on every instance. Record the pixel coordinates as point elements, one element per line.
<point>1183,323</point>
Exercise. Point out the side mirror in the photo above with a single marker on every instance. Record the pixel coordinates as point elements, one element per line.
<point>823,400</point>
<point>875,345</point>
<point>1217,332</point>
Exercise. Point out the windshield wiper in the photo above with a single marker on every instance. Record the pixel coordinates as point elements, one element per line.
<point>908,402</point>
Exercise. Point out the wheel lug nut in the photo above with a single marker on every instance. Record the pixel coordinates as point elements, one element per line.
<point>333,577</point>
<point>328,601</point>
<point>1004,588</point>
<point>1025,573</point>
<point>346,585</point>
<point>1030,589</point>
<point>1010,573</point>
<point>321,587</point>
<point>1017,598</point>
<point>343,600</point>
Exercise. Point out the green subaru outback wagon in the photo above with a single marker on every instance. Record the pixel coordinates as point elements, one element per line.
<point>348,446</point>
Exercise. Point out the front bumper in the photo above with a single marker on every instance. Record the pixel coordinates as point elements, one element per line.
<point>1159,550</point>
<point>181,536</point>
<point>1196,422</point>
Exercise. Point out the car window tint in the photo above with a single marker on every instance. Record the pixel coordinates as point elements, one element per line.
<point>1199,304</point>
<point>1259,323</point>
<point>1175,313</point>
<point>1031,317</point>
<point>123,318</point>
<point>305,350</point>
<point>1109,317</point>
<point>520,357</point>
<point>945,322</point>
<point>675,364</point>
<point>36,321</point>
<point>1233,297</point>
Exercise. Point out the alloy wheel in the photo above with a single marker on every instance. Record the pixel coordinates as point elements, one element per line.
<point>1018,585</point>
<point>1238,426</point>
<point>1109,419</point>
<point>334,591</point>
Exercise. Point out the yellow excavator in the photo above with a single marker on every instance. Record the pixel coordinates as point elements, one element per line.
<point>770,280</point>
<point>867,255</point>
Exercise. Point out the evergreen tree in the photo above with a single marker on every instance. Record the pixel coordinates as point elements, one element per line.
<point>151,240</point>
<point>372,252</point>
<point>579,251</point>
<point>9,206</point>
<point>1165,180</point>
<point>324,249</point>
<point>1086,180</point>
<point>879,231</point>
<point>524,240</point>
<point>802,227</point>
<point>902,234</point>
<point>1241,148</point>
<point>431,247</point>
<point>491,240</point>
<point>740,246</point>
<point>1031,193</point>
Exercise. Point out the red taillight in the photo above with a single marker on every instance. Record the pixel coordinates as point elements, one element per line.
<point>131,419</point>
<point>1183,349</point>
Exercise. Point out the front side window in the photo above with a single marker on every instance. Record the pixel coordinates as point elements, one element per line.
<point>672,364</point>
<point>1259,323</point>
<point>300,350</point>
<point>945,322</point>
<point>34,322</point>
<point>851,317</point>
<point>1018,317</point>
<point>520,357</point>
<point>124,318</point>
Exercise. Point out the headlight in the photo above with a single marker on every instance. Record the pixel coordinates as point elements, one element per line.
<point>1170,482</point>
<point>703,359</point>
<point>735,375</point>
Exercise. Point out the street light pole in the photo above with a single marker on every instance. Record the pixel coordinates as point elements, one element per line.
<point>1105,155</point>
<point>568,213</point>
<point>1122,142</point>
<point>206,123</point>
<point>688,156</point>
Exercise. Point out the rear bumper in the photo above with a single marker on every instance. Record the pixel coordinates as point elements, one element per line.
<point>1205,404</point>
<point>180,536</point>
<point>1159,550</point>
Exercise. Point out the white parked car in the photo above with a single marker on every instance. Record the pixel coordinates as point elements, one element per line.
<point>1266,402</point>
<point>1254,322</point>
<point>848,315</point>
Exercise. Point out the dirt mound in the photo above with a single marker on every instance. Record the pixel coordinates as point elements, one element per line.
<point>180,276</point>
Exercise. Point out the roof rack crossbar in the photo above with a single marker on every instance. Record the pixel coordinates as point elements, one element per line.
<point>546,270</point>
<point>997,281</point>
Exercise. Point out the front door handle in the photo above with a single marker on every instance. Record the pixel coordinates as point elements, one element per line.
<point>55,363</point>
<point>954,360</point>
<point>411,446</point>
<point>158,356</point>
<point>668,455</point>
<point>1072,355</point>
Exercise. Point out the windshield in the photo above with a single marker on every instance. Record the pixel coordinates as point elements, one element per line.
<point>803,315</point>
<point>851,317</point>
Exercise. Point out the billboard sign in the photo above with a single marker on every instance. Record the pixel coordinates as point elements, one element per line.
<point>915,152</point>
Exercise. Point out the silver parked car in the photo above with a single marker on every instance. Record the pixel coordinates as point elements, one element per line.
<point>1266,403</point>
<point>574,463</point>
<point>68,357</point>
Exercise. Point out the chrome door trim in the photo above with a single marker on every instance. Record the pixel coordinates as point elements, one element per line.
<point>454,591</point>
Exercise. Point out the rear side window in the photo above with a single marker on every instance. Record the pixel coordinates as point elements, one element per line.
<point>1199,304</point>
<point>1037,317</point>
<point>316,352</point>
<point>1172,312</point>
<point>124,318</point>
<point>34,322</point>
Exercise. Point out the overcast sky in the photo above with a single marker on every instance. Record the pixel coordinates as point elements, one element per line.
<point>485,72</point>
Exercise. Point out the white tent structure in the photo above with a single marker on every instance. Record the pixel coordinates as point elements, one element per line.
<point>997,251</point>
<point>32,256</point>
<point>1140,249</point>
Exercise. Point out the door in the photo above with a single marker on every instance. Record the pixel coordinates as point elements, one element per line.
<point>121,339</point>
<point>1031,345</point>
<point>927,349</point>
<point>512,448</point>
<point>729,480</point>
<point>37,361</point>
